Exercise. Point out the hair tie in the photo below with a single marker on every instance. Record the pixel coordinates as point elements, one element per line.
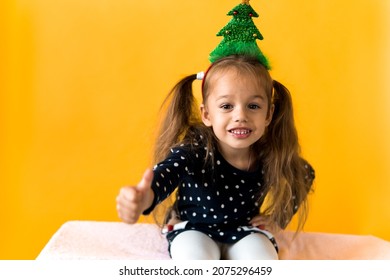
<point>200,75</point>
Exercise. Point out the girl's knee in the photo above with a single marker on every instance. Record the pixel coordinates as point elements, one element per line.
<point>255,246</point>
<point>194,245</point>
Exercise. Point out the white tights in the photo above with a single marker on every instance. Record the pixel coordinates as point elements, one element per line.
<point>195,245</point>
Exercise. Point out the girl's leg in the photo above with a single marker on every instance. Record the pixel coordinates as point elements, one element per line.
<point>194,245</point>
<point>255,246</point>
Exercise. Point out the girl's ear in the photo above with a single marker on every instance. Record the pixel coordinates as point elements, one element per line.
<point>205,115</point>
<point>270,114</point>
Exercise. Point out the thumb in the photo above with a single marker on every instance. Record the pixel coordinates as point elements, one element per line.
<point>146,181</point>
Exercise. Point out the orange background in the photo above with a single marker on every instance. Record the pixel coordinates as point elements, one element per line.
<point>81,83</point>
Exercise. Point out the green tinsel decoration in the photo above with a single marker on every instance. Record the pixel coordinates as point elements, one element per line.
<point>240,35</point>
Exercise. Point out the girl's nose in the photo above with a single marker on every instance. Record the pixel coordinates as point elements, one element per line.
<point>240,115</point>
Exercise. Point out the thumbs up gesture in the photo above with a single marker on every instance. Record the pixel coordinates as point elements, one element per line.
<point>133,200</point>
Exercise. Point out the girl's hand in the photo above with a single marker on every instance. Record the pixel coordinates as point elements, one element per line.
<point>264,222</point>
<point>133,200</point>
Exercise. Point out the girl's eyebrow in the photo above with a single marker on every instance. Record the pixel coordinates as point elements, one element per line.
<point>255,96</point>
<point>258,96</point>
<point>222,97</point>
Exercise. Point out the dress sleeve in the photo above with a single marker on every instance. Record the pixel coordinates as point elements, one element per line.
<point>168,174</point>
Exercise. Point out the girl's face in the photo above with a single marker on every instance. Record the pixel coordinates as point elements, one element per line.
<point>237,110</point>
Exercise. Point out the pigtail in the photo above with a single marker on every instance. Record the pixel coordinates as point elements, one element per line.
<point>282,127</point>
<point>285,171</point>
<point>180,113</point>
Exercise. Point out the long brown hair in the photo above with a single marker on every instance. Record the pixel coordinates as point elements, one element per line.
<point>285,172</point>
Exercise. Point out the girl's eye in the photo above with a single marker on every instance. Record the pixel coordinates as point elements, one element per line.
<point>253,106</point>
<point>226,106</point>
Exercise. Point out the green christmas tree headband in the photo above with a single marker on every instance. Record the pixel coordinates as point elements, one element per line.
<point>240,35</point>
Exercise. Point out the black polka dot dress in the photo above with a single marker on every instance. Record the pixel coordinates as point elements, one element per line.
<point>218,201</point>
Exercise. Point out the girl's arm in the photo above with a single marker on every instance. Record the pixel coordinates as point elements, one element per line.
<point>154,187</point>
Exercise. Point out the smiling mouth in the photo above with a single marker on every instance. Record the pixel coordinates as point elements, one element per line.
<point>240,132</point>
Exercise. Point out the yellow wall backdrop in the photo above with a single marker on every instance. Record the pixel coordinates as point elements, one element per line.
<point>81,82</point>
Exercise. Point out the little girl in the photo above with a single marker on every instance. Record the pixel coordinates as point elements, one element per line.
<point>235,164</point>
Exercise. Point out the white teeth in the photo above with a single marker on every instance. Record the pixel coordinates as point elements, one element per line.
<point>240,131</point>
